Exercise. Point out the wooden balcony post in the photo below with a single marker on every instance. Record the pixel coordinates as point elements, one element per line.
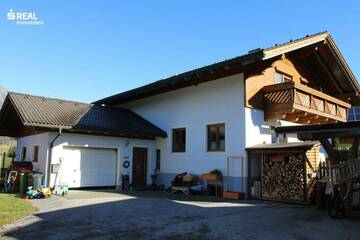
<point>312,102</point>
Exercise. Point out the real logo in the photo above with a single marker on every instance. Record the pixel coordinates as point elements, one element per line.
<point>24,18</point>
<point>11,15</point>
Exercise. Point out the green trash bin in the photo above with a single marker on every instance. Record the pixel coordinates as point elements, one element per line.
<point>25,182</point>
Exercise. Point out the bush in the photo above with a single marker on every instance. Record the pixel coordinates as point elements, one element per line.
<point>216,172</point>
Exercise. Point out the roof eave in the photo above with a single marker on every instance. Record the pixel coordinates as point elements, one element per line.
<point>115,134</point>
<point>344,64</point>
<point>292,46</point>
<point>186,79</point>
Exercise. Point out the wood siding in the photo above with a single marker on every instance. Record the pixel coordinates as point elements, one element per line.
<point>307,97</point>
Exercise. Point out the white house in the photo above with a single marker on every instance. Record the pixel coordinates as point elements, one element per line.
<point>195,121</point>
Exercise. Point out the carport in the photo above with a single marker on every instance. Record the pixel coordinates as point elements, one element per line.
<point>341,142</point>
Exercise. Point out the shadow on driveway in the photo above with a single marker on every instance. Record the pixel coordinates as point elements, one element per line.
<point>134,217</point>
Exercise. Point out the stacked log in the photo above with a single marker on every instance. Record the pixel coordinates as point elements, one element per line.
<point>285,179</point>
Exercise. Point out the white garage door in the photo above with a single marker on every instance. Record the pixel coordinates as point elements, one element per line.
<point>88,167</point>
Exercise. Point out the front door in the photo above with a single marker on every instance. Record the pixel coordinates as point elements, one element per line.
<point>139,166</point>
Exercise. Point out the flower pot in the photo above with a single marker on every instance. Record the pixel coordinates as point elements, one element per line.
<point>211,177</point>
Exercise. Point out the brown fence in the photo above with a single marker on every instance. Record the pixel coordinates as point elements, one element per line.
<point>341,172</point>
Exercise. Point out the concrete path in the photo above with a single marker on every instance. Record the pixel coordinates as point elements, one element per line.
<point>112,215</point>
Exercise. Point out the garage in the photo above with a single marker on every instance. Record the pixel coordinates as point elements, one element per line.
<point>88,167</point>
<point>76,142</point>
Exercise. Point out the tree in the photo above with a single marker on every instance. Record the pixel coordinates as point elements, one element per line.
<point>11,151</point>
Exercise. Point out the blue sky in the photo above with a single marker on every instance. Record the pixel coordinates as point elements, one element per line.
<point>87,50</point>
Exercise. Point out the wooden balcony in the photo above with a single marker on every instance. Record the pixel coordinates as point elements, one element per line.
<point>301,104</point>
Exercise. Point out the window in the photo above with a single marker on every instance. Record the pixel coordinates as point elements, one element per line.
<point>282,78</point>
<point>158,159</point>
<point>273,135</point>
<point>216,137</point>
<point>178,139</point>
<point>23,154</point>
<point>278,137</point>
<point>35,154</point>
<point>282,138</point>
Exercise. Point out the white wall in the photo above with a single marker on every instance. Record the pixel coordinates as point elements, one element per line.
<point>219,101</point>
<point>258,130</point>
<point>124,147</point>
<point>29,142</point>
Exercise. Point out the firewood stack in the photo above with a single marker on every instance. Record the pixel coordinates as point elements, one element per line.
<point>284,180</point>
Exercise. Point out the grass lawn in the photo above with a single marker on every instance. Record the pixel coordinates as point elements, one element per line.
<point>13,208</point>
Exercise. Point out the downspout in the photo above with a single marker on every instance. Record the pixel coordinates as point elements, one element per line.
<point>48,160</point>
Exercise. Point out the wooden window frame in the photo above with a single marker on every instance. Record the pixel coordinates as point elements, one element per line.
<point>218,148</point>
<point>173,148</point>
<point>36,156</point>
<point>285,77</point>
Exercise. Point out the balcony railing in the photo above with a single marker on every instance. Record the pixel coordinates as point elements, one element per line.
<point>301,104</point>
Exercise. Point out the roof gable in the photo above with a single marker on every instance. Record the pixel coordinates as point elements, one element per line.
<point>283,48</point>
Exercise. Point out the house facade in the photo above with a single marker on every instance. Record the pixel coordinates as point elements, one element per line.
<point>205,119</point>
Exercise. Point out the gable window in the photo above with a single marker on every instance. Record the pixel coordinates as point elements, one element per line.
<point>178,139</point>
<point>23,154</point>
<point>36,154</point>
<point>216,137</point>
<point>282,78</point>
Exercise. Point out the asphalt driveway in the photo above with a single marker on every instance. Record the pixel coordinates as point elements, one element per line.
<point>113,215</point>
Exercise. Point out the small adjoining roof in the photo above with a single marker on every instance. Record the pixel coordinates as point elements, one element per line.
<point>213,71</point>
<point>331,127</point>
<point>323,131</point>
<point>51,113</point>
<point>280,146</point>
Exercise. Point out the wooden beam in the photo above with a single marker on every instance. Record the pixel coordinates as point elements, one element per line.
<point>305,136</point>
<point>329,149</point>
<point>343,65</point>
<point>304,114</point>
<point>346,96</point>
<point>331,75</point>
<point>355,147</point>
<point>291,117</point>
<point>315,75</point>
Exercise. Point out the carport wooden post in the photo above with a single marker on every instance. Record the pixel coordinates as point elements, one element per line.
<point>329,149</point>
<point>355,147</point>
<point>323,133</point>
